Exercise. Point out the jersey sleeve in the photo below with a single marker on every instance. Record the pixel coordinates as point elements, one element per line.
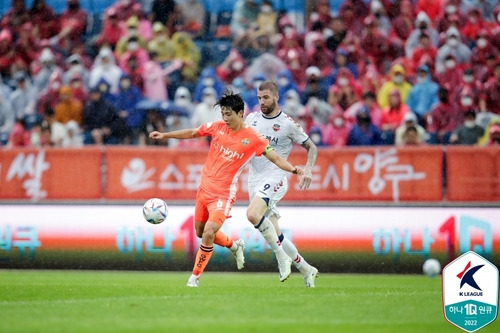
<point>208,129</point>
<point>297,133</point>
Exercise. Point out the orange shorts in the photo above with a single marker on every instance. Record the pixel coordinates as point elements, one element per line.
<point>212,207</point>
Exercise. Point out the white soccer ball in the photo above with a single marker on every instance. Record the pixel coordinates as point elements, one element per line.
<point>155,211</point>
<point>431,267</point>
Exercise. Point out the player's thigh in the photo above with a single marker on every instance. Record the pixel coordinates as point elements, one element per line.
<point>264,196</point>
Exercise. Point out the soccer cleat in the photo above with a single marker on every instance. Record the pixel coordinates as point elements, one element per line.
<point>193,281</point>
<point>310,277</point>
<point>239,253</point>
<point>285,267</point>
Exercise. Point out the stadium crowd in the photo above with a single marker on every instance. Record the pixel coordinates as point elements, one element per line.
<point>375,72</point>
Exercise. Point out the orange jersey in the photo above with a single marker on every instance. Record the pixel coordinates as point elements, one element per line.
<point>229,153</point>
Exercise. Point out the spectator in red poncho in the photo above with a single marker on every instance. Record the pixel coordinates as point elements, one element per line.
<point>123,8</point>
<point>15,17</point>
<point>285,30</point>
<point>431,7</point>
<point>392,116</point>
<point>451,16</point>
<point>402,25</point>
<point>375,45</point>
<point>27,46</point>
<point>423,53</point>
<point>352,43</point>
<point>475,24</point>
<point>232,67</point>
<point>321,14</point>
<point>495,30</point>
<point>353,22</point>
<point>490,97</point>
<point>7,53</point>
<point>482,50</point>
<point>44,20</point>
<point>444,118</point>
<point>494,135</point>
<point>469,85</point>
<point>485,72</point>
<point>293,54</point>
<point>451,74</point>
<point>78,88</point>
<point>111,30</point>
<point>134,49</point>
<point>20,135</point>
<point>336,131</point>
<point>346,89</point>
<point>318,55</point>
<point>73,21</point>
<point>368,103</point>
<point>50,97</point>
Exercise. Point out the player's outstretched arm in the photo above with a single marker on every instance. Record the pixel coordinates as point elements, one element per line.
<point>312,154</point>
<point>180,134</point>
<point>282,163</point>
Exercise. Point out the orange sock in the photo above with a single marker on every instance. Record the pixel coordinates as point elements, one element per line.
<point>202,258</point>
<point>222,239</point>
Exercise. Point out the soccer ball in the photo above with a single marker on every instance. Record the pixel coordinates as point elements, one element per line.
<point>431,267</point>
<point>155,211</point>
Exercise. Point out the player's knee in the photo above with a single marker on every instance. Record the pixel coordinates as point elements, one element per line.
<point>253,216</point>
<point>208,234</point>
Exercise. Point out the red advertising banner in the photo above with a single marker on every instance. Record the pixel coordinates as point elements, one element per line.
<point>51,174</point>
<point>473,174</point>
<point>386,174</point>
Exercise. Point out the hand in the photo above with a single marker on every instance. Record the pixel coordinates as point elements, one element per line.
<point>305,180</point>
<point>297,171</point>
<point>155,135</point>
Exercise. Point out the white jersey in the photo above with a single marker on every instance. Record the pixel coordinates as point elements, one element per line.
<point>282,132</point>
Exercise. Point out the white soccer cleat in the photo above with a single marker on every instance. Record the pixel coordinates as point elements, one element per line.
<point>310,277</point>
<point>285,267</point>
<point>194,281</point>
<point>239,253</point>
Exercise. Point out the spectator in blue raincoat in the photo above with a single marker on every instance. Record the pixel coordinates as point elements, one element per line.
<point>364,133</point>
<point>126,100</point>
<point>342,61</point>
<point>208,79</point>
<point>286,82</point>
<point>250,95</point>
<point>424,93</point>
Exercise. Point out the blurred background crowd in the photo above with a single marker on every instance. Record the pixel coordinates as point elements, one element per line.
<point>351,72</point>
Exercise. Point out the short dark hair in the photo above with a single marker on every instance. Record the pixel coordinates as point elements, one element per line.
<point>269,85</point>
<point>231,100</point>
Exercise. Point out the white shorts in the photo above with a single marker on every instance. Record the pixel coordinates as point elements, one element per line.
<point>272,189</point>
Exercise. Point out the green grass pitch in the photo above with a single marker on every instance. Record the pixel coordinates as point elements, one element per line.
<point>116,301</point>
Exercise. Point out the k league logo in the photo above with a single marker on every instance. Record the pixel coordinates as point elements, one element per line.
<point>470,292</point>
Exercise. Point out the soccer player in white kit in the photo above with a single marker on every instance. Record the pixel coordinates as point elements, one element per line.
<point>267,184</point>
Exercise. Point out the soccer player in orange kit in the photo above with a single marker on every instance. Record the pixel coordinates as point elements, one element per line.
<point>232,146</point>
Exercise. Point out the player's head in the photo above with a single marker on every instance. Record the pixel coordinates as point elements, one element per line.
<point>268,97</point>
<point>231,101</point>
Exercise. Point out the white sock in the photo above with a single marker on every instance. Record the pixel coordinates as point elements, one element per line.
<point>268,231</point>
<point>293,253</point>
